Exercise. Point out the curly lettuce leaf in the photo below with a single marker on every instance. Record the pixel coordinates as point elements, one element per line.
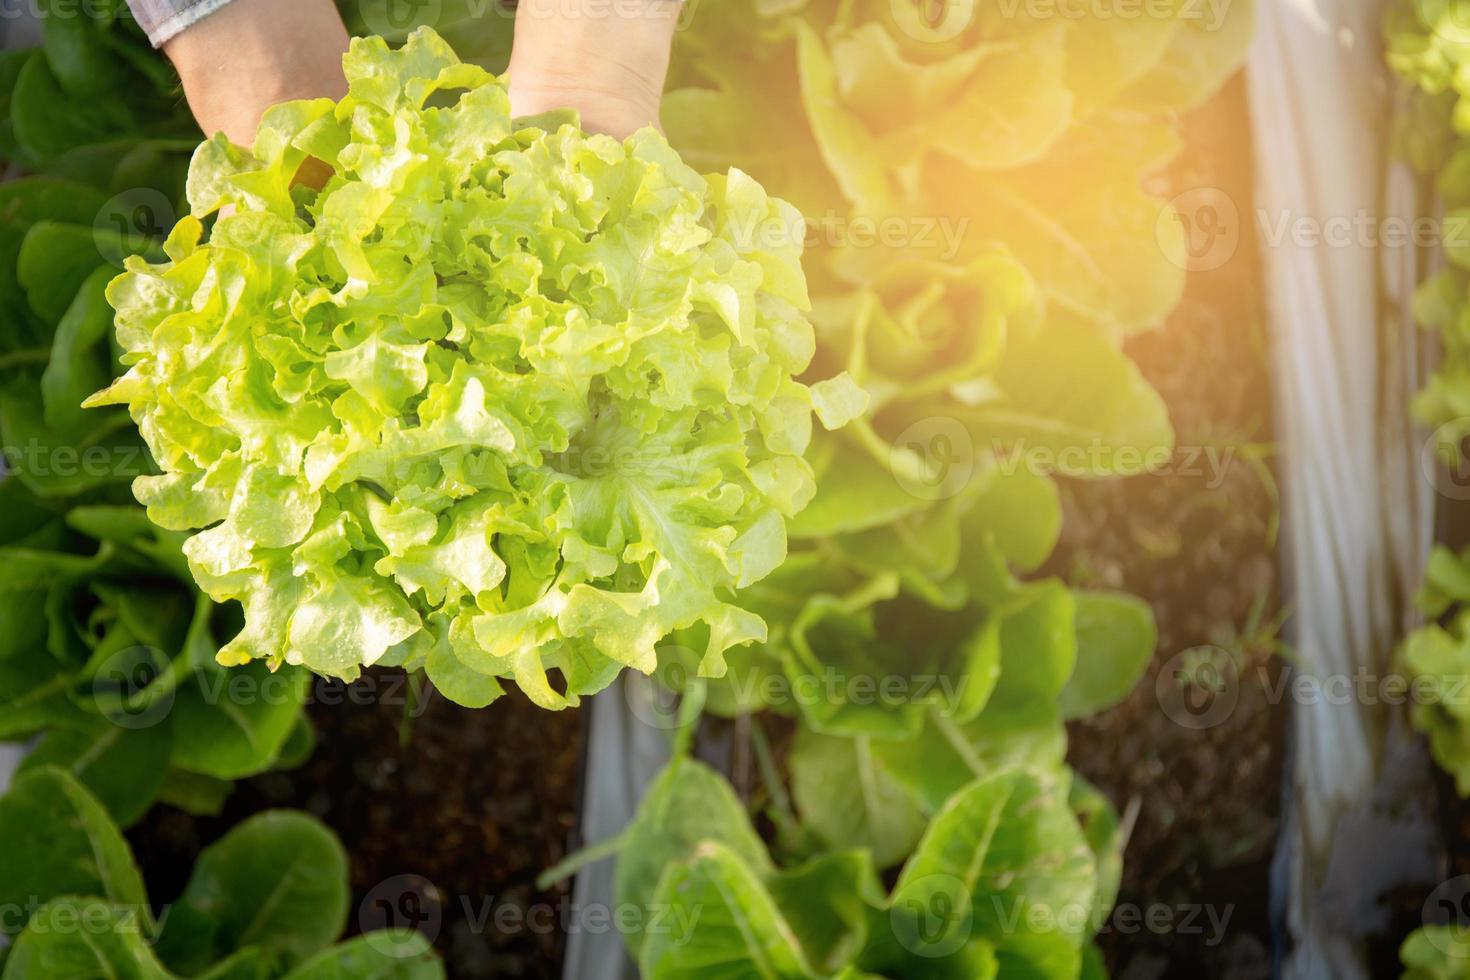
<point>507,402</point>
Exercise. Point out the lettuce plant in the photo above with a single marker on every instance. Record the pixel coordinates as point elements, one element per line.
<point>984,329</point>
<point>107,648</point>
<point>95,93</point>
<point>1426,46</point>
<point>1003,881</point>
<point>497,400</point>
<point>1436,953</point>
<point>505,401</point>
<point>1436,661</point>
<point>928,673</point>
<point>268,899</point>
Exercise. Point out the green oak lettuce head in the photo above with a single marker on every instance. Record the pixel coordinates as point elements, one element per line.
<point>500,398</point>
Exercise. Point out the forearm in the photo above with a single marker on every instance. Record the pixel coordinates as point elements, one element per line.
<point>251,54</point>
<point>605,58</point>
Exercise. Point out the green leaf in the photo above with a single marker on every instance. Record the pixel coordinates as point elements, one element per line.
<point>23,202</point>
<point>1038,642</point>
<point>23,611</point>
<point>122,767</point>
<point>846,793</point>
<point>1009,854</point>
<point>80,358</point>
<point>1102,251</point>
<point>849,149</point>
<point>1104,835</point>
<point>45,122</point>
<point>1011,108</point>
<point>1446,581</point>
<point>1438,662</point>
<point>946,756</point>
<point>1021,513</point>
<point>277,882</point>
<point>385,955</point>
<point>1203,53</point>
<point>85,938</point>
<point>854,492</point>
<point>52,465</point>
<point>1072,405</point>
<point>1115,641</point>
<point>11,62</point>
<point>202,796</point>
<point>34,691</point>
<point>56,260</point>
<point>1435,953</point>
<point>62,842</point>
<point>235,723</point>
<point>838,400</point>
<point>76,48</point>
<point>25,519</point>
<point>723,923</point>
<point>828,903</point>
<point>688,805</point>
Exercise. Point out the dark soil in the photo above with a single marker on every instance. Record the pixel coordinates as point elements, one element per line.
<point>1200,759</point>
<point>446,832</point>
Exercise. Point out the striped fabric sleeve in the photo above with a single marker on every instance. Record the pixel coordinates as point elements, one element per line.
<point>162,19</point>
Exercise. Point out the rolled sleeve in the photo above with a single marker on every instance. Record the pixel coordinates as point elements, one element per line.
<point>162,19</point>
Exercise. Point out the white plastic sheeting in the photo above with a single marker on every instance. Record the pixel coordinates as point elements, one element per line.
<point>623,753</point>
<point>1356,516</point>
<point>10,756</point>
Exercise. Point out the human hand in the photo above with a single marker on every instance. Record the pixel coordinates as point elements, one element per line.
<point>250,54</point>
<point>605,58</point>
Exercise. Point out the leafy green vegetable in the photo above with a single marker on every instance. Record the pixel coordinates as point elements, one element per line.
<point>1115,640</point>
<point>850,798</point>
<point>111,660</point>
<point>980,241</point>
<point>276,882</point>
<point>1005,858</point>
<point>1436,953</point>
<point>266,900</point>
<point>108,650</point>
<point>1425,46</point>
<point>506,402</point>
<point>94,81</point>
<point>1437,662</point>
<point>61,842</point>
<point>495,401</point>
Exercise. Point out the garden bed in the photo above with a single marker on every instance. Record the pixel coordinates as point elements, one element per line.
<point>448,815</point>
<point>1197,542</point>
<point>469,806</point>
<point>493,554</point>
